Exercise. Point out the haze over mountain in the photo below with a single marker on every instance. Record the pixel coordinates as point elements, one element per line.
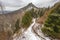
<point>12,5</point>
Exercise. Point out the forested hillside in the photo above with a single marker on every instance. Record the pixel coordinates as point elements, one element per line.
<point>52,24</point>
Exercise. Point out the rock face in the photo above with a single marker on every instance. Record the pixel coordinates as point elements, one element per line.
<point>7,22</point>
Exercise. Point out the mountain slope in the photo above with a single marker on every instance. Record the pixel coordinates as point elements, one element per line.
<point>8,20</point>
<point>52,23</point>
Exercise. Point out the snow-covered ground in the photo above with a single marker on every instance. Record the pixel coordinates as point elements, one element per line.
<point>29,34</point>
<point>37,29</point>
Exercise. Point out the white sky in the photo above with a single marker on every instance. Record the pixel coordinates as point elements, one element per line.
<point>16,4</point>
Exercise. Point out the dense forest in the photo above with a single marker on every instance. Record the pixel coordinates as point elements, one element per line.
<point>52,24</point>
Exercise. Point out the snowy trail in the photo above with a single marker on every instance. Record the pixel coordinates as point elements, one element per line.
<point>29,34</point>
<point>37,30</point>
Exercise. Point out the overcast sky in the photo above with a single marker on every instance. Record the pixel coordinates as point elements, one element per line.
<point>16,4</point>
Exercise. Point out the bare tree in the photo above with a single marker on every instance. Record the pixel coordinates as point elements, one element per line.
<point>1,7</point>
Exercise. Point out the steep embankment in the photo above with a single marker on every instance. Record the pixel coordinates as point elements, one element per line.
<point>7,24</point>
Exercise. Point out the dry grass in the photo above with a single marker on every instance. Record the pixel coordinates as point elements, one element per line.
<point>4,36</point>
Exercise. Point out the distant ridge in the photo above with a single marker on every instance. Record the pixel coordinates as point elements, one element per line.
<point>28,6</point>
<point>23,9</point>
